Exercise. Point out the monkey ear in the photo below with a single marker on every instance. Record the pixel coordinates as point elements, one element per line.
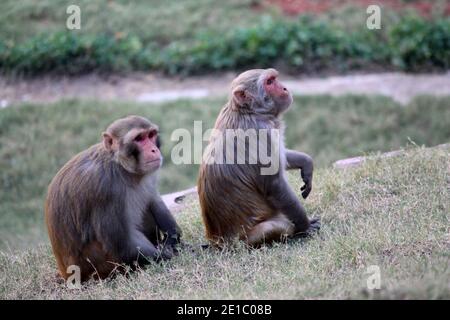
<point>107,140</point>
<point>242,96</point>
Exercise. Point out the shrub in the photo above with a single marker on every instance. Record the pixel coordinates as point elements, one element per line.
<point>417,44</point>
<point>66,52</point>
<point>303,45</point>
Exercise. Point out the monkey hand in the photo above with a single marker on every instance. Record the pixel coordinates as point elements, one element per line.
<point>167,252</point>
<point>170,247</point>
<point>173,239</point>
<point>307,179</point>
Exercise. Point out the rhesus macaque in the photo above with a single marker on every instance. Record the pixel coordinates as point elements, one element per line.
<point>237,201</point>
<point>103,208</point>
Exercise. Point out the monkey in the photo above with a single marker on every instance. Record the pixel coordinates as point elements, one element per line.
<point>103,210</point>
<point>237,201</point>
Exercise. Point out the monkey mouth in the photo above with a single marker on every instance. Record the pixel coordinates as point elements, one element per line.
<point>153,162</point>
<point>286,96</point>
<point>152,165</point>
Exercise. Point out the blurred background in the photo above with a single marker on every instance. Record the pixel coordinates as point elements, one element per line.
<point>357,91</point>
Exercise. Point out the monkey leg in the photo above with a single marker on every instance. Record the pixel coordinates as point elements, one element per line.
<point>141,249</point>
<point>314,226</point>
<point>91,261</point>
<point>273,229</point>
<point>96,262</point>
<point>284,200</point>
<point>151,230</point>
<point>161,230</point>
<point>160,220</point>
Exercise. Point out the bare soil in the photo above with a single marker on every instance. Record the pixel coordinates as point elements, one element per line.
<point>151,87</point>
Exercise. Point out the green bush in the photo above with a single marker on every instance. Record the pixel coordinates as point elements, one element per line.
<point>310,45</point>
<point>417,44</point>
<point>303,45</point>
<point>66,52</point>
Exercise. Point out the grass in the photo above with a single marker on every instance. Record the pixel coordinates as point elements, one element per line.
<point>393,213</point>
<point>155,20</point>
<point>36,140</point>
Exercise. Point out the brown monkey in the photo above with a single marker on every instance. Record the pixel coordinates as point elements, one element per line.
<point>237,201</point>
<point>103,208</point>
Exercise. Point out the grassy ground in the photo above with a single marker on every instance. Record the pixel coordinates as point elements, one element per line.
<point>393,213</point>
<point>36,140</point>
<point>155,20</point>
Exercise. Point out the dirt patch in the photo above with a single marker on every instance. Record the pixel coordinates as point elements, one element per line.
<point>140,87</point>
<point>155,88</point>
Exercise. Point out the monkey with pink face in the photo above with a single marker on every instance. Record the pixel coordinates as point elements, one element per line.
<point>236,199</point>
<point>103,208</point>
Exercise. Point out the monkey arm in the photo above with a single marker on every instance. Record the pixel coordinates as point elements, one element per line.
<point>115,234</point>
<point>300,160</point>
<point>165,221</point>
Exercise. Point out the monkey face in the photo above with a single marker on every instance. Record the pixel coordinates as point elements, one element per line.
<point>276,91</point>
<point>259,91</point>
<point>135,145</point>
<point>149,157</point>
<point>139,152</point>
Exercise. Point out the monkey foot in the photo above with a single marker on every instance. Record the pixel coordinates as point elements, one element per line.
<point>314,227</point>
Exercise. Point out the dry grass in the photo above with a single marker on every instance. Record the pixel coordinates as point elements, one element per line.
<point>393,213</point>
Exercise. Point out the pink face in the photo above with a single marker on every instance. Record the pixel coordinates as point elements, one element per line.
<point>150,154</point>
<point>277,91</point>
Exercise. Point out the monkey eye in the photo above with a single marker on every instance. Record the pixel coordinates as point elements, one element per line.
<point>270,81</point>
<point>152,134</point>
<point>139,138</point>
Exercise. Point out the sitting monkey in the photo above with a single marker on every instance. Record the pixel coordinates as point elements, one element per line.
<point>237,201</point>
<point>103,207</point>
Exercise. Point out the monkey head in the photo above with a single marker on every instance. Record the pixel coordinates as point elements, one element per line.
<point>259,91</point>
<point>134,144</point>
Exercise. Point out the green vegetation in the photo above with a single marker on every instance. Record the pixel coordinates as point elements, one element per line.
<point>158,21</point>
<point>36,140</point>
<point>416,44</point>
<point>310,45</point>
<point>123,39</point>
<point>392,213</point>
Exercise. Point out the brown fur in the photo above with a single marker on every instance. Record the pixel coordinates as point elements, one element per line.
<point>97,212</point>
<point>233,198</point>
